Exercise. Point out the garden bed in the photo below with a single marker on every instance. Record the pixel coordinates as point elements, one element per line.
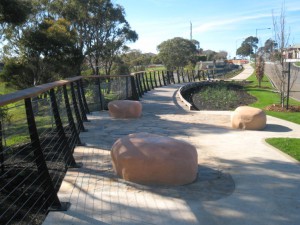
<point>219,95</point>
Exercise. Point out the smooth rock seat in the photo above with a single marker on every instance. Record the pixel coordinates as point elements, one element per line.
<point>152,159</point>
<point>125,109</point>
<point>248,118</point>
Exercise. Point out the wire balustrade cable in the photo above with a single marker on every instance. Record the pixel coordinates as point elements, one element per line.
<point>39,130</point>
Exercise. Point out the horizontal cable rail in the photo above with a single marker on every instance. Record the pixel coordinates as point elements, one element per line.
<point>40,127</point>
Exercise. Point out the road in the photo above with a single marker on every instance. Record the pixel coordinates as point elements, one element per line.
<point>271,72</point>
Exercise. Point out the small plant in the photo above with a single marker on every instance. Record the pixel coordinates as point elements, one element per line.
<point>260,69</point>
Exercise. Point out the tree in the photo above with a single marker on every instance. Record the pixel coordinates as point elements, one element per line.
<point>58,37</point>
<point>247,46</point>
<point>46,53</point>
<point>270,45</point>
<point>279,66</point>
<point>176,53</point>
<point>136,60</point>
<point>102,30</point>
<point>210,55</point>
<point>221,55</point>
<point>156,60</point>
<point>260,69</point>
<point>14,11</point>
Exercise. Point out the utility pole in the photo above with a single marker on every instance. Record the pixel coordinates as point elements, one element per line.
<point>191,30</point>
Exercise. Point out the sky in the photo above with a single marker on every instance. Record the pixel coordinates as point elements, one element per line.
<point>217,24</point>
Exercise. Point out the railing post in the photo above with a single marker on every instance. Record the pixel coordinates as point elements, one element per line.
<point>173,78</point>
<point>70,116</point>
<point>1,148</point>
<point>188,75</point>
<point>164,79</point>
<point>135,95</point>
<point>127,88</point>
<point>203,74</point>
<point>159,78</point>
<point>168,77</point>
<point>140,84</point>
<point>77,114</point>
<point>98,84</point>
<point>182,74</point>
<point>147,83</point>
<point>39,158</point>
<point>81,106</point>
<point>68,157</point>
<point>178,76</point>
<point>86,107</point>
<point>151,82</point>
<point>144,83</point>
<point>155,81</point>
<point>193,75</point>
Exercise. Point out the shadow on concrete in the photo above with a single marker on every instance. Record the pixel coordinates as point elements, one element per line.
<point>267,189</point>
<point>277,128</point>
<point>210,185</point>
<point>252,191</point>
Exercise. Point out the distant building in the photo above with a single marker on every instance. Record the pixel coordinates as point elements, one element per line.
<point>292,52</point>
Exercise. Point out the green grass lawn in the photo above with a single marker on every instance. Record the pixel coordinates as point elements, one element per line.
<point>290,146</point>
<point>266,96</point>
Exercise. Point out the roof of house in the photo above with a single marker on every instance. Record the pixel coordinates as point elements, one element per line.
<point>295,46</point>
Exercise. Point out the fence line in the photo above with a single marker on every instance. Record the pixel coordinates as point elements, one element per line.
<point>40,127</point>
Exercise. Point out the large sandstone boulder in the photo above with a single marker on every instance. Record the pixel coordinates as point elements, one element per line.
<point>125,109</point>
<point>152,159</point>
<point>248,118</point>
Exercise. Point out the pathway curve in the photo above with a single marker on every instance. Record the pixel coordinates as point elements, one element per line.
<point>242,180</point>
<point>247,72</point>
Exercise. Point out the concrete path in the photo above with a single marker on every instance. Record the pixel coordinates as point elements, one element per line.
<point>242,180</point>
<point>247,72</point>
<point>272,72</point>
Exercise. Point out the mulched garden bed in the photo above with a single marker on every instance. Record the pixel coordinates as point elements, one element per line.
<point>218,96</point>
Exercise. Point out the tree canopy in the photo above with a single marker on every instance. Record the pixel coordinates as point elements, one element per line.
<point>14,11</point>
<point>177,52</point>
<point>247,47</point>
<point>54,39</point>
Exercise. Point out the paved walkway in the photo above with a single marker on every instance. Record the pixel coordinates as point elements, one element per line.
<point>247,72</point>
<point>242,180</point>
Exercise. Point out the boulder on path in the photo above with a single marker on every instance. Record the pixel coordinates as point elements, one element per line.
<point>152,159</point>
<point>248,118</point>
<point>125,109</point>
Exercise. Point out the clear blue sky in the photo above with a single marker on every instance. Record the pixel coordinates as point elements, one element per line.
<point>217,24</point>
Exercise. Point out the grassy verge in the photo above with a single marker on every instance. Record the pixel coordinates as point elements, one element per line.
<point>290,146</point>
<point>265,97</point>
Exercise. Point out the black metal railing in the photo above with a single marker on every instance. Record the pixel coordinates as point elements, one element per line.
<point>39,130</point>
